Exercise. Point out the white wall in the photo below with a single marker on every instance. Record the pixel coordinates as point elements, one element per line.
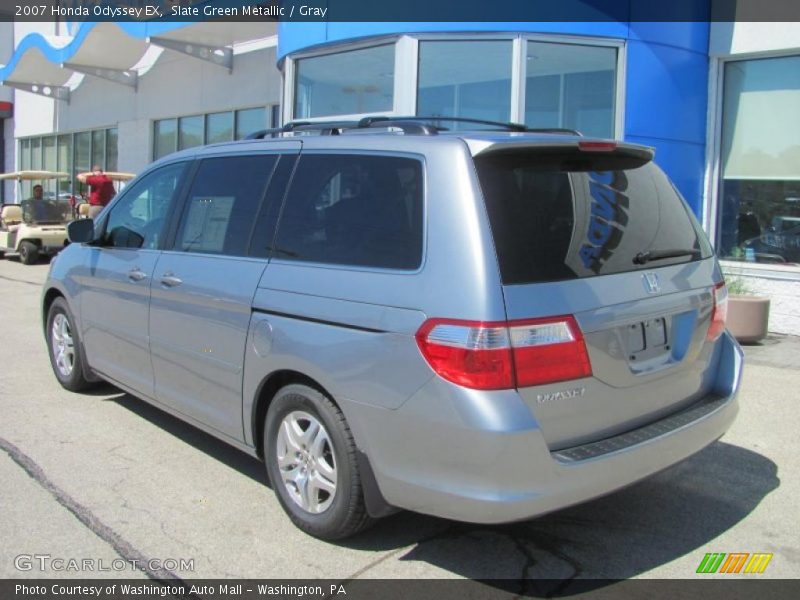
<point>728,39</point>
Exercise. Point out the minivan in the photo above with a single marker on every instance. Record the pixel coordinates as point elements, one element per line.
<point>475,321</point>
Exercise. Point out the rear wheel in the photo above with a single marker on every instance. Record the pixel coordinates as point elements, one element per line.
<point>28,252</point>
<point>311,462</point>
<point>63,344</point>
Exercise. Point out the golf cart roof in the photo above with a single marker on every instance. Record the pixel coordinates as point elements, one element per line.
<point>120,176</point>
<point>34,175</point>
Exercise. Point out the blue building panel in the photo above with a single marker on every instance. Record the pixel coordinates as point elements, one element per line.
<point>683,162</point>
<point>666,92</point>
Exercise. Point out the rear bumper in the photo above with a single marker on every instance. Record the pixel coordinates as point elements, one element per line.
<point>481,458</point>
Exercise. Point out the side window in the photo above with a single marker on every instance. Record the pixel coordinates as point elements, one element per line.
<point>137,220</point>
<point>353,210</point>
<point>223,203</point>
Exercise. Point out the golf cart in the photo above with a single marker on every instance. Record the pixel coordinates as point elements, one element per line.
<point>118,177</point>
<point>35,226</point>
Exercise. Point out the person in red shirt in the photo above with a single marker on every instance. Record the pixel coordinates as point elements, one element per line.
<point>101,189</point>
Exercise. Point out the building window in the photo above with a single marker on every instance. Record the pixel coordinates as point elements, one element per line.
<point>71,153</point>
<point>346,83</point>
<point>180,133</point>
<point>165,137</point>
<point>465,79</point>
<point>759,191</point>
<point>112,151</point>
<point>191,132</point>
<point>572,86</point>
<point>64,144</point>
<point>219,127</point>
<point>249,121</point>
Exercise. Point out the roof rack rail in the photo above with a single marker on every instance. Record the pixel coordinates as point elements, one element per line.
<point>409,125</point>
<point>382,121</point>
<point>323,127</point>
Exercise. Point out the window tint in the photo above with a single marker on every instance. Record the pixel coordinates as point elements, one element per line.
<point>137,219</point>
<point>223,203</point>
<point>576,218</point>
<point>353,210</point>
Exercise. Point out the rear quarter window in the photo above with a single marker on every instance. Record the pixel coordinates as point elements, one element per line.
<point>353,210</point>
<point>560,219</point>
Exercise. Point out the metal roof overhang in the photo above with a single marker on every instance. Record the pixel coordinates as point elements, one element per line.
<point>34,72</point>
<point>94,56</point>
<point>43,64</point>
<point>213,42</point>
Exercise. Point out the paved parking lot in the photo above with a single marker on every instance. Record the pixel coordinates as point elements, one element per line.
<point>103,476</point>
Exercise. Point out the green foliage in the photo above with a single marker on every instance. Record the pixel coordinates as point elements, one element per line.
<point>738,286</point>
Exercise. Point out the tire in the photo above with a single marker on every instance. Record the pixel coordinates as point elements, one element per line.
<point>28,252</point>
<point>64,347</point>
<point>319,512</point>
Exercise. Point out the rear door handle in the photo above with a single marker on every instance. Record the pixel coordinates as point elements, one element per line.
<point>136,274</point>
<point>169,280</point>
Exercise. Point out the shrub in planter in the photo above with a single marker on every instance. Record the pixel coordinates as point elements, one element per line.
<point>748,314</point>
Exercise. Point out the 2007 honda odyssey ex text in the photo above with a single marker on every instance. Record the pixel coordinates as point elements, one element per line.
<point>482,325</point>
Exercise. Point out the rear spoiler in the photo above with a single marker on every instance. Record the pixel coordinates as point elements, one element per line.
<point>574,147</point>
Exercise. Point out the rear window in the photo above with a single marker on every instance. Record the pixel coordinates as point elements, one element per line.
<point>554,218</point>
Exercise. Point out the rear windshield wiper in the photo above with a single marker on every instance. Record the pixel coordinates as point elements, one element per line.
<point>645,257</point>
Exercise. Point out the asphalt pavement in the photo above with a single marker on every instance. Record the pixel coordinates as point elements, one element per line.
<point>105,477</point>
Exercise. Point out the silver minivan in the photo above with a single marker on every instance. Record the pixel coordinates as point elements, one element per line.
<point>483,324</point>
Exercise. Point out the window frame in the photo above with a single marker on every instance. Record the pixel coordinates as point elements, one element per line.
<point>713,167</point>
<point>406,71</point>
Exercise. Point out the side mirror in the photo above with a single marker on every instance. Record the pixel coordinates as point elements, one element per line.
<point>81,231</point>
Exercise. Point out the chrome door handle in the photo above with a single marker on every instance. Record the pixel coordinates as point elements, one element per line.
<point>169,280</point>
<point>136,274</point>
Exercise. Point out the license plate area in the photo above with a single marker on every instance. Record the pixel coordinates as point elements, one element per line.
<point>647,339</point>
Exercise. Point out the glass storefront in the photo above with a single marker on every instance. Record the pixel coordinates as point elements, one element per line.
<point>759,189</point>
<point>345,83</point>
<point>469,79</point>
<point>500,77</point>
<point>572,86</point>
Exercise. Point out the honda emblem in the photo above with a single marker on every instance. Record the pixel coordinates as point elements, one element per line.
<point>650,281</point>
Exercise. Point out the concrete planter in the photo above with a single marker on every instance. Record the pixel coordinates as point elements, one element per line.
<point>748,317</point>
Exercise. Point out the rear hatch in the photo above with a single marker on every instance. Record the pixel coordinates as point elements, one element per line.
<point>596,231</point>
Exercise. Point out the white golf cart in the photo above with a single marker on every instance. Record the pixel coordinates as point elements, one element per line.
<point>36,226</point>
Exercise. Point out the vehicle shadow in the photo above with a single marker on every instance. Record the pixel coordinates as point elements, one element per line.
<point>676,512</point>
<point>630,532</point>
<point>216,449</point>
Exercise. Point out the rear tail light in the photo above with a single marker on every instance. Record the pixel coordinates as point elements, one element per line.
<point>504,355</point>
<point>719,312</point>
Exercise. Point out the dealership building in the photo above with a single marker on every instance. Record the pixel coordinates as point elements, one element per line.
<point>719,102</point>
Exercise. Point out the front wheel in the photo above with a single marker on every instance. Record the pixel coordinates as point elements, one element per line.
<point>311,462</point>
<point>28,253</point>
<point>64,348</point>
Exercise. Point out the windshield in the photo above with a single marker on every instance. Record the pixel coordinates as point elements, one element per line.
<point>568,219</point>
<point>46,211</point>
